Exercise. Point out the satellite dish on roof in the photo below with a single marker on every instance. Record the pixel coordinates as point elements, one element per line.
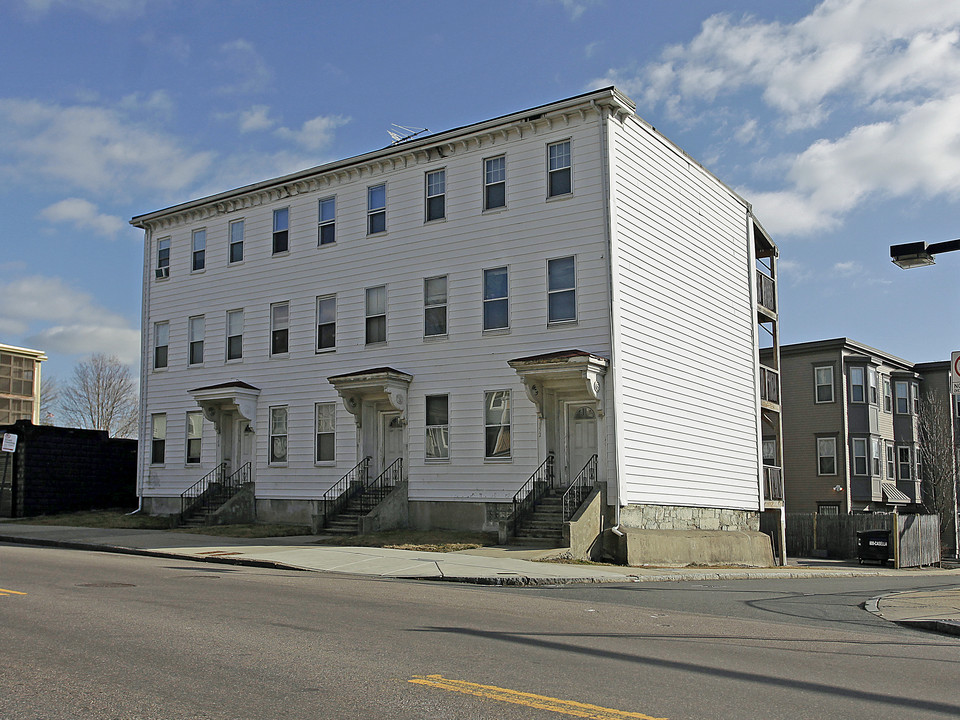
<point>402,134</point>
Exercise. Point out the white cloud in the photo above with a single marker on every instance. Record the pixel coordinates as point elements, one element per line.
<point>241,62</point>
<point>256,118</point>
<point>70,321</point>
<point>97,149</point>
<point>315,133</point>
<point>83,214</point>
<point>576,8</point>
<point>102,9</point>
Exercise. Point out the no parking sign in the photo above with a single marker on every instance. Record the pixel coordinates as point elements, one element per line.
<point>955,373</point>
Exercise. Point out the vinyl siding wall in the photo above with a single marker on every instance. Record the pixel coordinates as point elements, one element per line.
<point>685,320</point>
<point>466,363</point>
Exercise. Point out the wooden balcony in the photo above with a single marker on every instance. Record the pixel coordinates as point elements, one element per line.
<point>770,387</point>
<point>772,483</point>
<point>766,293</point>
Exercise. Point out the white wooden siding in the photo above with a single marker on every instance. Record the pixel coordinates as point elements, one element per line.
<point>686,349</point>
<point>464,364</point>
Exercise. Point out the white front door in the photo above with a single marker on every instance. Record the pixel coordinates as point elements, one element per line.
<point>581,439</point>
<point>391,439</point>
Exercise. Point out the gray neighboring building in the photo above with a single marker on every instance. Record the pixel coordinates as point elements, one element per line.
<point>850,426</point>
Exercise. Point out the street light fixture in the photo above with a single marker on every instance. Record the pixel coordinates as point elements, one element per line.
<point>919,254</point>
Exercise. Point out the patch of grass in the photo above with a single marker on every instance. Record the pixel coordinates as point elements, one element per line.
<point>417,540</point>
<point>265,530</point>
<point>118,518</point>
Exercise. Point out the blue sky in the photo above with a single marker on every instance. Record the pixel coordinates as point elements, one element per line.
<point>837,120</point>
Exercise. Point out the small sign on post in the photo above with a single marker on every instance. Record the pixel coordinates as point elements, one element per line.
<point>9,442</point>
<point>955,372</point>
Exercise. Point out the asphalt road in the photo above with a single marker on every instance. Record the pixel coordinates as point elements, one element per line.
<point>93,635</point>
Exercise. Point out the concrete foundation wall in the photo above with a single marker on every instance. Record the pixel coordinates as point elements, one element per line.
<point>391,514</point>
<point>672,517</point>
<point>465,516</point>
<point>679,548</point>
<point>583,533</point>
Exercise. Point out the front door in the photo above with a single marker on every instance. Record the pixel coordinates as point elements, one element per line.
<point>581,439</point>
<point>391,439</point>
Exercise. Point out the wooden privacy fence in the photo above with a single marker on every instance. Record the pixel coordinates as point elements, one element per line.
<point>916,538</point>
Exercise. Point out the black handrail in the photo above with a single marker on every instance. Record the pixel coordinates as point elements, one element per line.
<point>349,486</point>
<point>536,486</point>
<point>579,489</point>
<point>378,488</point>
<point>191,496</point>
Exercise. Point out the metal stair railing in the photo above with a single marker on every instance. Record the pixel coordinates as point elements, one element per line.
<point>536,486</point>
<point>345,489</point>
<point>191,497</point>
<point>378,488</point>
<point>579,489</point>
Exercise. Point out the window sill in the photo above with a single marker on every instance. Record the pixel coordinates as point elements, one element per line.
<point>326,244</point>
<point>280,356</point>
<point>436,338</point>
<point>556,198</point>
<point>498,461</point>
<point>562,323</point>
<point>199,271</point>
<point>324,351</point>
<point>494,210</point>
<point>277,464</point>
<point>379,343</point>
<point>325,463</point>
<point>497,331</point>
<point>233,361</point>
<point>436,461</point>
<point>282,253</point>
<point>435,220</point>
<point>160,369</point>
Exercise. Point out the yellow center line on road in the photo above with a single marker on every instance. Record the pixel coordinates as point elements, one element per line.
<point>491,692</point>
<point>10,592</point>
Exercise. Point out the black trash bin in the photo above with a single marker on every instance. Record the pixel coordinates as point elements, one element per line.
<point>873,545</point>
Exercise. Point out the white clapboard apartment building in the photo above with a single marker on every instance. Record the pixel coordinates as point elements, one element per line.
<point>555,295</point>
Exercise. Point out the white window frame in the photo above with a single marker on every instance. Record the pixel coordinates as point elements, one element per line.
<point>238,333</point>
<point>904,461</point>
<point>376,212</point>
<point>281,235</point>
<point>158,438</point>
<point>873,396</point>
<point>198,257</point>
<point>489,301</point>
<point>861,384</point>
<point>559,163</point>
<point>887,395</point>
<point>327,225</point>
<point>196,330</point>
<point>553,292</point>
<point>493,401</point>
<point>194,434</point>
<point>163,258</point>
<point>436,435</point>
<point>915,397</point>
<point>494,177</point>
<point>876,459</point>
<point>235,242</point>
<point>329,408</point>
<point>322,300</point>
<point>891,458</point>
<point>817,384</point>
<point>276,433</point>
<point>859,453</point>
<point>280,328</point>
<point>435,195</point>
<point>434,306</point>
<point>832,441</point>
<point>899,396</point>
<point>161,345</point>
<point>373,315</point>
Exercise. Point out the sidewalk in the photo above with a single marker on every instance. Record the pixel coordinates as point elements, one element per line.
<point>501,565</point>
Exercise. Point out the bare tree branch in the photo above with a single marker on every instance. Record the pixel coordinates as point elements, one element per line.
<point>940,458</point>
<point>102,396</point>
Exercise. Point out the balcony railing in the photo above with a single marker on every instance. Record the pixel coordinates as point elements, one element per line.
<point>766,292</point>
<point>772,482</point>
<point>769,385</point>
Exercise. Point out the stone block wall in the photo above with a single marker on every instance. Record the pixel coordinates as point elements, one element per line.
<point>674,517</point>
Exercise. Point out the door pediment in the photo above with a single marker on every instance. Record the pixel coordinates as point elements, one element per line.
<point>373,386</point>
<point>235,396</point>
<point>575,373</point>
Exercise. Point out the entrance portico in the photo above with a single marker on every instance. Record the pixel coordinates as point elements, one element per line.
<point>232,408</point>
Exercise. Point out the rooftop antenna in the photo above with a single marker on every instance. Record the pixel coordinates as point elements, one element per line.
<point>402,134</point>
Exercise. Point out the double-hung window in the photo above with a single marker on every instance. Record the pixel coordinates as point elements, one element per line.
<point>891,462</point>
<point>163,258</point>
<point>887,396</point>
<point>158,438</point>
<point>194,437</point>
<point>234,334</point>
<point>562,289</point>
<point>823,377</point>
<point>905,461</point>
<point>281,230</point>
<point>859,456</point>
<point>857,389</point>
<point>195,331</point>
<point>902,392</point>
<point>327,221</point>
<point>496,309</point>
<point>872,385</point>
<point>494,183</point>
<point>558,158</point>
<point>161,340</point>
<point>278,434</point>
<point>326,432</point>
<point>376,309</point>
<point>279,328</point>
<point>199,257</point>
<point>435,306</point>
<point>437,441</point>
<point>496,424</point>
<point>826,456</point>
<point>376,209</point>
<point>915,395</point>
<point>436,195</point>
<point>327,322</point>
<point>876,459</point>
<point>236,241</point>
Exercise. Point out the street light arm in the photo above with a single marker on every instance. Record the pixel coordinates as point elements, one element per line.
<point>942,247</point>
